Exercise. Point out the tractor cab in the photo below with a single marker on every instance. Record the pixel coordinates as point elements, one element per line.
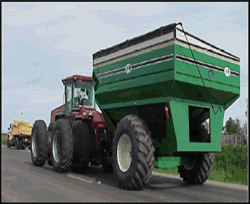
<point>79,92</point>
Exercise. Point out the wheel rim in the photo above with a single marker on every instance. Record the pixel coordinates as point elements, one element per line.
<point>55,147</point>
<point>34,144</point>
<point>124,149</point>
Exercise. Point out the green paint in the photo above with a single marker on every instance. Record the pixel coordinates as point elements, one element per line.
<point>121,94</point>
<point>205,58</point>
<point>167,162</point>
<point>136,59</point>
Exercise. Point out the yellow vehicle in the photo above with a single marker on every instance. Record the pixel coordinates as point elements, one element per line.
<point>19,134</point>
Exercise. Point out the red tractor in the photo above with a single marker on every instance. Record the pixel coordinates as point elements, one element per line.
<point>77,134</point>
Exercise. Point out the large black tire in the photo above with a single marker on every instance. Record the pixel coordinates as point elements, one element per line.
<point>9,144</point>
<point>62,146</point>
<point>198,171</point>
<point>16,143</point>
<point>39,146</point>
<point>50,132</point>
<point>83,141</point>
<point>201,164</point>
<point>19,143</point>
<point>22,145</point>
<point>142,153</point>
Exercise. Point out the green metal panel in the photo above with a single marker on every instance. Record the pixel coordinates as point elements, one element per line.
<point>179,113</point>
<point>167,162</point>
<point>140,72</point>
<point>206,58</point>
<point>185,70</point>
<point>134,83</point>
<point>119,93</point>
<point>136,59</point>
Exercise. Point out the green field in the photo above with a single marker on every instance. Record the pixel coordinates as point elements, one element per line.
<point>4,138</point>
<point>230,166</point>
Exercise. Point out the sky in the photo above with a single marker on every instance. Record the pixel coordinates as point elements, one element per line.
<point>43,43</point>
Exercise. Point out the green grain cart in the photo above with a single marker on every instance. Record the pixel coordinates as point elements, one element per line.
<point>163,96</point>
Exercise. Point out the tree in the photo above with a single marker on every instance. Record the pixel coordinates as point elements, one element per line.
<point>232,126</point>
<point>246,112</point>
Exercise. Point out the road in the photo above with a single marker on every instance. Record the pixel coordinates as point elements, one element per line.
<point>23,182</point>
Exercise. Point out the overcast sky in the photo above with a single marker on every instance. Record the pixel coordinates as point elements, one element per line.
<point>42,43</point>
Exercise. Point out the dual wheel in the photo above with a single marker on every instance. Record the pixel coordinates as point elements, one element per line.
<point>59,147</point>
<point>17,142</point>
<point>62,145</point>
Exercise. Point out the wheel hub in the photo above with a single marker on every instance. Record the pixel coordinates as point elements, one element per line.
<point>34,144</point>
<point>124,149</point>
<point>191,163</point>
<point>55,147</point>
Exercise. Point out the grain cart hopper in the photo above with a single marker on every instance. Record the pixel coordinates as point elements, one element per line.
<point>19,134</point>
<point>156,92</point>
<point>77,133</point>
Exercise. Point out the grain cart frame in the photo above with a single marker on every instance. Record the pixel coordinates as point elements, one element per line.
<point>77,133</point>
<point>19,134</point>
<point>162,87</point>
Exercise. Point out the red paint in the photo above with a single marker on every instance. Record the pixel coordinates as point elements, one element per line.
<point>80,78</point>
<point>98,121</point>
<point>53,112</point>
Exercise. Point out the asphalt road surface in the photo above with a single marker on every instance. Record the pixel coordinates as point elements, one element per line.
<point>23,182</point>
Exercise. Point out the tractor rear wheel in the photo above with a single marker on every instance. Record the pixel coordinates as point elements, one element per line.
<point>62,146</point>
<point>50,131</point>
<point>133,153</point>
<point>39,143</point>
<point>82,145</point>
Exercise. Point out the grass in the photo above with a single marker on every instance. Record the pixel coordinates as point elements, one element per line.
<point>4,139</point>
<point>216,175</point>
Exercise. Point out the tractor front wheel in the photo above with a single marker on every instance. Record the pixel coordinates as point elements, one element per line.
<point>39,143</point>
<point>133,153</point>
<point>62,146</point>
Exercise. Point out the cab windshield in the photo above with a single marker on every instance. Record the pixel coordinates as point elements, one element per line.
<point>83,96</point>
